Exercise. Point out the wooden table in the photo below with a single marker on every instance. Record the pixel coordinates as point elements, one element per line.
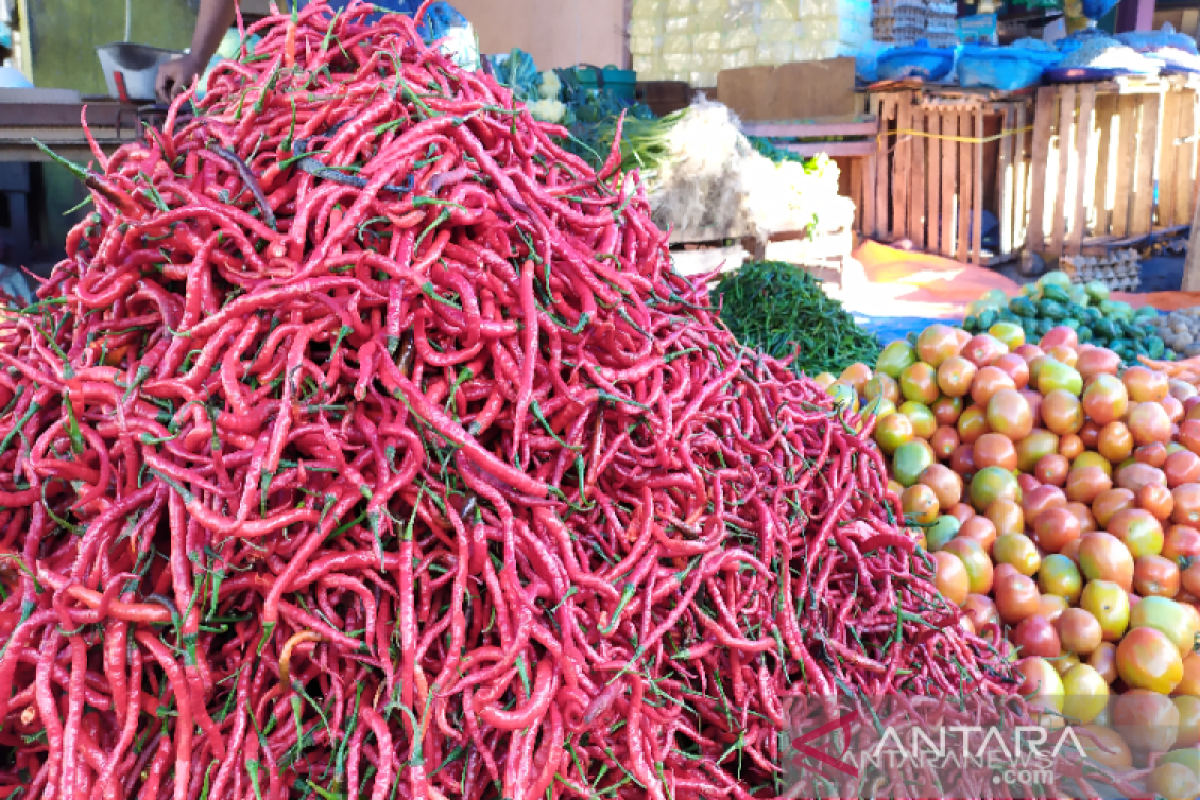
<point>58,126</point>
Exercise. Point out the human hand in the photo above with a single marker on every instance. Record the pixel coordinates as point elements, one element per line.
<point>175,76</point>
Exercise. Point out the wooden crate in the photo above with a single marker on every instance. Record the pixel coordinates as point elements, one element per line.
<point>1112,161</point>
<point>925,181</point>
<point>833,136</point>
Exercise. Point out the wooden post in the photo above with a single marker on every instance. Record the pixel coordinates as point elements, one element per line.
<point>1066,120</point>
<point>1083,131</point>
<point>916,188</point>
<point>1106,105</point>
<point>1143,191</point>
<point>900,161</point>
<point>966,193</point>
<point>869,172</point>
<point>933,198</point>
<point>1006,180</point>
<point>1127,112</point>
<point>949,176</point>
<point>1046,96</point>
<point>1191,265</point>
<point>883,229</point>
<point>1020,182</point>
<point>856,191</point>
<point>977,193</point>
<point>1167,158</point>
<point>1185,186</point>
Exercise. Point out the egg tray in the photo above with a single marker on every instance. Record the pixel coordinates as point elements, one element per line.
<point>1118,270</point>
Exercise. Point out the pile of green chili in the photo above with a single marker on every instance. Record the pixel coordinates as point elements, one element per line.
<point>773,306</point>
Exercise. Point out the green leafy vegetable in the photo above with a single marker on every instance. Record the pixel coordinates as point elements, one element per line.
<point>773,306</point>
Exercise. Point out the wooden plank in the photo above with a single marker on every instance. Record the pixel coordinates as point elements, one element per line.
<point>852,126</point>
<point>1167,158</point>
<point>1066,125</point>
<point>1106,106</point>
<point>1185,158</point>
<point>883,170</point>
<point>866,211</point>
<point>916,188</point>
<point>1083,132</point>
<point>1020,181</point>
<point>856,168</point>
<point>933,170</point>
<point>977,192</point>
<point>966,171</point>
<point>1127,114</point>
<point>1005,174</point>
<point>1143,190</point>
<point>1191,265</point>
<point>1046,97</point>
<point>809,149</point>
<point>900,166</point>
<point>949,179</point>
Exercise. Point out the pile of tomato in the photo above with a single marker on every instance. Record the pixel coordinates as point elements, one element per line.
<point>1059,496</point>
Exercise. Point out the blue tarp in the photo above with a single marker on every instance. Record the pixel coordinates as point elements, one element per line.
<point>891,329</point>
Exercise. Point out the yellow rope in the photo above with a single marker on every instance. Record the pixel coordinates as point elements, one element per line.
<point>963,139</point>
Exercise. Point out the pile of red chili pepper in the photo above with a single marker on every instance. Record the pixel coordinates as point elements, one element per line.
<point>366,445</point>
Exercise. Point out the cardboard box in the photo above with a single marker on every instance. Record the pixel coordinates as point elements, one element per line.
<point>804,90</point>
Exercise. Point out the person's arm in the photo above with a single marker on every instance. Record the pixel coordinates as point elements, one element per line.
<point>215,17</point>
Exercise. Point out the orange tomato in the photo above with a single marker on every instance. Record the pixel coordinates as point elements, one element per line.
<point>1149,423</point>
<point>1052,469</point>
<point>1186,504</point>
<point>1008,414</point>
<point>955,376</point>
<point>1062,412</point>
<point>1086,484</point>
<point>1190,683</point>
<point>1097,361</point>
<point>1180,467</point>
<point>988,381</point>
<point>1007,516</point>
<point>995,450</point>
<point>1109,502</point>
<point>1015,367</point>
<point>1079,631</point>
<point>1145,385</point>
<point>947,410</point>
<point>1157,499</point>
<point>1181,541</point>
<point>1115,442</point>
<point>1154,455</point>
<point>1087,523</point>
<point>980,529</point>
<point>951,577</point>
<point>1155,575</point>
<point>1105,400</point>
<point>972,424</point>
<point>1054,528</point>
<point>1104,660</point>
<point>1147,659</point>
<point>1104,557</point>
<point>1016,597</point>
<point>1040,499</point>
<point>1070,446</point>
<point>946,485</point>
<point>856,375</point>
<point>944,442</point>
